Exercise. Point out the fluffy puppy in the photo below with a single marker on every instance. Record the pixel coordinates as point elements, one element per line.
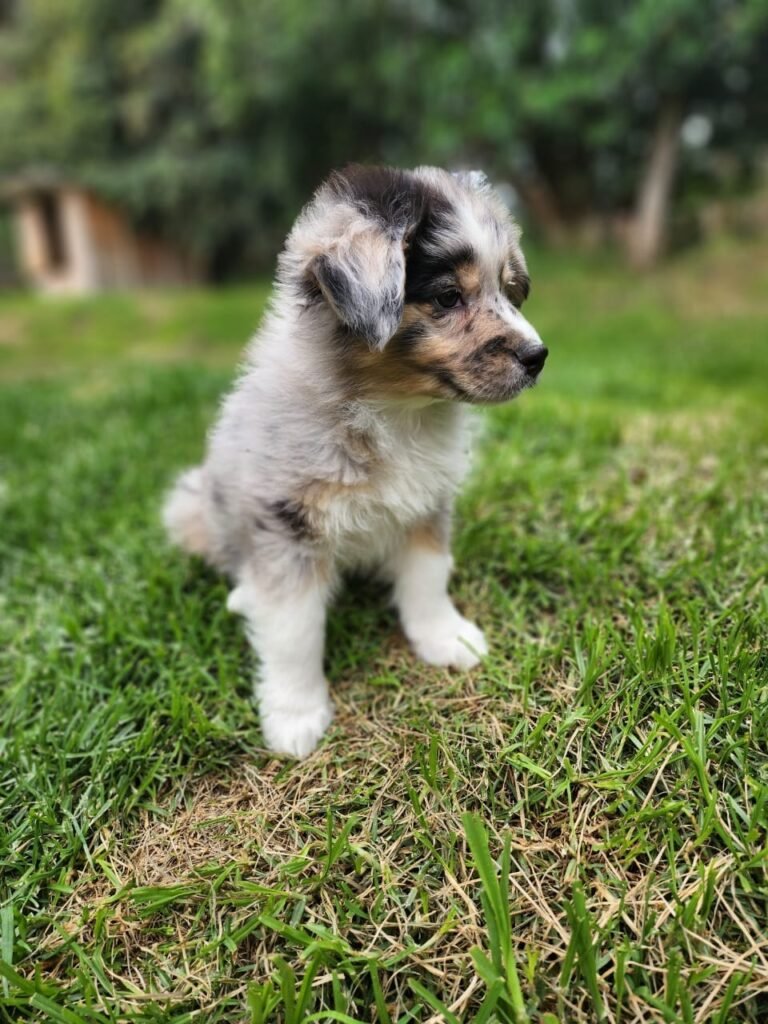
<point>341,446</point>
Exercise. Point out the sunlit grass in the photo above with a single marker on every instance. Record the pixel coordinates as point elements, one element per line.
<point>603,776</point>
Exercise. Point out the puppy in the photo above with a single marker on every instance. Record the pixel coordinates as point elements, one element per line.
<point>342,445</point>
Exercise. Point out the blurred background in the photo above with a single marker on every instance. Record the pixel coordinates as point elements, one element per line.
<point>166,141</point>
<point>611,538</point>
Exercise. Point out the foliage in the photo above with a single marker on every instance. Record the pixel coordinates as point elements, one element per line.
<point>157,865</point>
<point>562,97</point>
<point>214,119</point>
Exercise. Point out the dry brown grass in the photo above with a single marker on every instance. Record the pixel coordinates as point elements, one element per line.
<point>252,847</point>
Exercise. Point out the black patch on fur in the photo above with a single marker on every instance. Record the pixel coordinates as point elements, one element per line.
<point>414,213</point>
<point>478,358</point>
<point>447,379</point>
<point>496,346</point>
<point>403,202</point>
<point>335,283</point>
<point>394,197</point>
<point>427,273</point>
<point>411,334</point>
<point>310,290</point>
<point>219,498</point>
<point>344,336</point>
<point>291,515</point>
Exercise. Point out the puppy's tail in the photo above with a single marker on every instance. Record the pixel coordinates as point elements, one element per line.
<point>183,514</point>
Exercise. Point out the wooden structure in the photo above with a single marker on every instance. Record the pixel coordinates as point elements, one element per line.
<point>69,241</point>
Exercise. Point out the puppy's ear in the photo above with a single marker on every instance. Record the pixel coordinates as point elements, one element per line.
<point>362,277</point>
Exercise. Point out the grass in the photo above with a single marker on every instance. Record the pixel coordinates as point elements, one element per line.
<point>575,832</point>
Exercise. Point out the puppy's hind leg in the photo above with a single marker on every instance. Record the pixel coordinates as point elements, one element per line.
<point>285,621</point>
<point>437,632</point>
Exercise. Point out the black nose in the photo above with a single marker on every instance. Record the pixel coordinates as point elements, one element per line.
<point>533,358</point>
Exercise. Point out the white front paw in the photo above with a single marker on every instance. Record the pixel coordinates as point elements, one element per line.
<point>448,640</point>
<point>295,732</point>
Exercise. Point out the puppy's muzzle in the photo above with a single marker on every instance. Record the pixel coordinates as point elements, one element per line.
<point>533,357</point>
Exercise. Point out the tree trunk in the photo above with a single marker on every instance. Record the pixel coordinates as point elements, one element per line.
<point>648,227</point>
<point>541,204</point>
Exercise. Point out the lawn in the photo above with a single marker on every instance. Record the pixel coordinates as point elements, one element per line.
<point>576,831</point>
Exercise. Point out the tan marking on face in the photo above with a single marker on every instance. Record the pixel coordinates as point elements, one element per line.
<point>450,344</point>
<point>393,373</point>
<point>414,314</point>
<point>468,280</point>
<point>453,341</point>
<point>385,375</point>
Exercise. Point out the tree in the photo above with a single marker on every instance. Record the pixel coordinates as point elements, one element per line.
<point>212,120</point>
<point>580,103</point>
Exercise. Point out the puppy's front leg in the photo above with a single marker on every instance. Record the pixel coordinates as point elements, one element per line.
<point>286,626</point>
<point>437,632</point>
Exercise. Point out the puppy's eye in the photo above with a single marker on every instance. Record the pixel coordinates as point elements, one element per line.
<point>448,299</point>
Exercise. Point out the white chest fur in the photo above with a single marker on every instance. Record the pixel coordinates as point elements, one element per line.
<point>416,458</point>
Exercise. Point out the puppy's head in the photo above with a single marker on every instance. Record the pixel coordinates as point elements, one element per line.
<point>425,278</point>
